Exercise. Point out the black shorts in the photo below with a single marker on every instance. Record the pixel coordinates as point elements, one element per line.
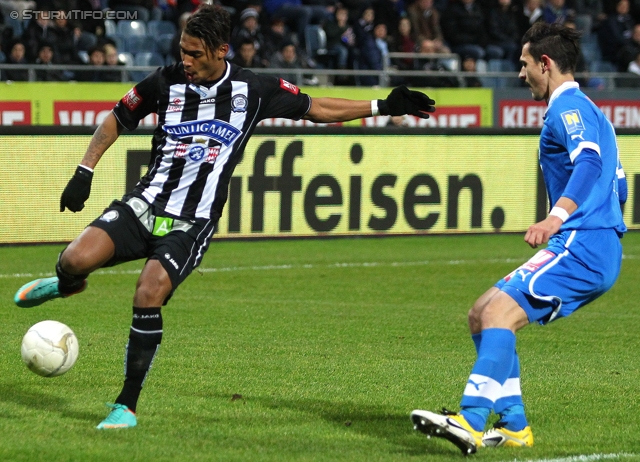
<point>138,232</point>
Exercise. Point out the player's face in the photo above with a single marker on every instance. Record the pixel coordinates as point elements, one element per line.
<point>200,64</point>
<point>532,74</point>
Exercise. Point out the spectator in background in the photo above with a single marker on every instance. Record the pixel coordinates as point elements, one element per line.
<point>288,58</point>
<point>297,15</point>
<point>246,55</point>
<point>369,55</point>
<point>17,55</point>
<point>276,35</point>
<point>389,12</point>
<point>248,29</point>
<point>425,22</point>
<point>96,58</point>
<point>46,57</point>
<point>112,61</point>
<point>93,23</point>
<point>504,36</point>
<point>404,42</point>
<point>556,11</point>
<point>628,53</point>
<point>38,31</point>
<point>382,42</point>
<point>66,39</point>
<point>175,43</point>
<point>432,64</point>
<point>632,79</point>
<point>340,37</point>
<point>469,65</point>
<point>528,15</point>
<point>464,29</point>
<point>616,31</point>
<point>589,15</point>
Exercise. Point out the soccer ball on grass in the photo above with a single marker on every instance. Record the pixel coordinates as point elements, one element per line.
<point>49,348</point>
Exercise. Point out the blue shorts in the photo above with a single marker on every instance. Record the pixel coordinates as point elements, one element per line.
<point>576,268</point>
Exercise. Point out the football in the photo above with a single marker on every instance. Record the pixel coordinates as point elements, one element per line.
<point>49,348</point>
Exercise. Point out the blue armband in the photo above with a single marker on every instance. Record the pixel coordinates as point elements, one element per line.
<point>587,169</point>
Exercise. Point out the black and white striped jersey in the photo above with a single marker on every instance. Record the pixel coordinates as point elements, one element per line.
<point>202,132</point>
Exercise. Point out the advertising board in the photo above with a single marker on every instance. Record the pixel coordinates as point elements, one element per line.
<point>309,185</point>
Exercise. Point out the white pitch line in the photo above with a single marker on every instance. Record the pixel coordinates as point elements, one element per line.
<point>304,266</point>
<point>297,266</point>
<point>583,458</point>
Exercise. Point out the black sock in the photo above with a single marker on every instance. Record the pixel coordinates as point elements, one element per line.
<point>68,283</point>
<point>145,336</point>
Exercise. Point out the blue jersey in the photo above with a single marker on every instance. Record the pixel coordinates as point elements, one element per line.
<point>573,124</point>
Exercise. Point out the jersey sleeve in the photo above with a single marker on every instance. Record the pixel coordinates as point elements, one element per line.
<point>577,127</point>
<point>139,102</point>
<point>283,99</point>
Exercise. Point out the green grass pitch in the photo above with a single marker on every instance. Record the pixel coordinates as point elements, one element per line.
<point>317,350</point>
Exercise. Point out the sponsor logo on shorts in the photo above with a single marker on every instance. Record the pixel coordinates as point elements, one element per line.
<point>534,264</point>
<point>172,261</point>
<point>111,215</point>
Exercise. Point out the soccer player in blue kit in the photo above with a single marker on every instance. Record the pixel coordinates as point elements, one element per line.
<point>585,183</point>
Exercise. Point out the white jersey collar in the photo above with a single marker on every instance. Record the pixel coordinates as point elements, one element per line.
<point>564,87</point>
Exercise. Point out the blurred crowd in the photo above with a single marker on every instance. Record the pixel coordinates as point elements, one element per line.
<point>310,34</point>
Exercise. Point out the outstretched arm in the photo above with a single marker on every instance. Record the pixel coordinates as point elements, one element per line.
<point>104,136</point>
<point>79,187</point>
<point>400,101</point>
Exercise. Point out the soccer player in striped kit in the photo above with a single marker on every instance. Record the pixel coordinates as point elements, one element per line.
<point>586,185</point>
<point>207,110</point>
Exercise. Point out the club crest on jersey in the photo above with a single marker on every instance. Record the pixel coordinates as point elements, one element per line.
<point>289,87</point>
<point>132,99</point>
<point>239,103</point>
<point>218,130</point>
<point>572,121</point>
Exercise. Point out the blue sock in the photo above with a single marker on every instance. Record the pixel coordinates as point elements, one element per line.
<point>477,339</point>
<point>510,406</point>
<point>514,418</point>
<point>476,416</point>
<point>491,370</point>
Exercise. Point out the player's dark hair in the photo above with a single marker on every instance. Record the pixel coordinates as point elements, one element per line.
<point>211,24</point>
<point>558,42</point>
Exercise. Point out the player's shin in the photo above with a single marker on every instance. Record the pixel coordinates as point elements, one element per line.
<point>145,336</point>
<point>491,370</point>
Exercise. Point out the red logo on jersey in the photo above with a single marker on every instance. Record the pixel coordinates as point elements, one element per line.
<point>289,87</point>
<point>132,99</point>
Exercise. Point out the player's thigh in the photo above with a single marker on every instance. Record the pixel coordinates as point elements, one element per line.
<point>131,240</point>
<point>88,252</point>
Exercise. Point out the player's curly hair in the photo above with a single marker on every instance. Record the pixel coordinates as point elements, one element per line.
<point>211,24</point>
<point>560,43</point>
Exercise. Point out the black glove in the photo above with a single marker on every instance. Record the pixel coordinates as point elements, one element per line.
<point>403,101</point>
<point>77,190</point>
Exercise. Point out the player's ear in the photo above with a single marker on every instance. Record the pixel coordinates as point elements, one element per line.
<point>222,51</point>
<point>545,63</point>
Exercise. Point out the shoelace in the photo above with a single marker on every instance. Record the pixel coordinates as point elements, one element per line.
<point>114,415</point>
